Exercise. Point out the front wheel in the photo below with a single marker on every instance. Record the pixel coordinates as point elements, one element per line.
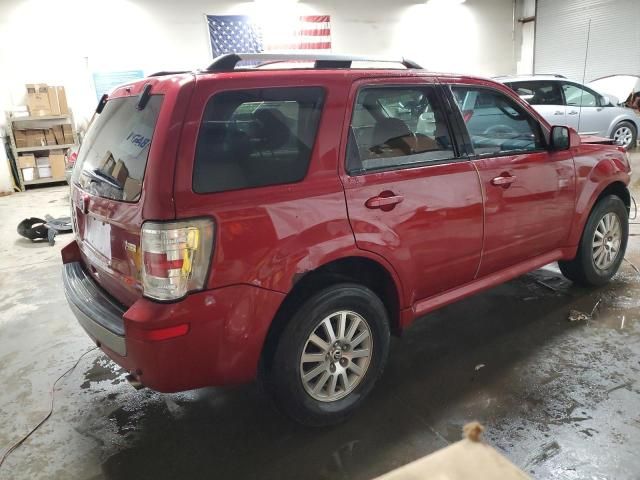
<point>330,355</point>
<point>625,134</point>
<point>602,246</point>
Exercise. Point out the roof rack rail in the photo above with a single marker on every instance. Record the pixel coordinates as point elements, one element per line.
<point>557,75</point>
<point>229,61</point>
<point>167,72</point>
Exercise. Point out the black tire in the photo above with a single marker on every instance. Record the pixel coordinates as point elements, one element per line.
<point>582,269</point>
<point>634,133</point>
<point>284,376</point>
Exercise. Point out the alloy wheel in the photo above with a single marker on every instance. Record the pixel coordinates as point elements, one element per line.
<point>336,356</point>
<point>606,241</point>
<point>623,136</point>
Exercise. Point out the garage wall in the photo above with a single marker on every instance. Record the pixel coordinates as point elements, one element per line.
<point>561,37</point>
<point>65,41</point>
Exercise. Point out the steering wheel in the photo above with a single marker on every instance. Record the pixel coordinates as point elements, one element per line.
<point>494,129</point>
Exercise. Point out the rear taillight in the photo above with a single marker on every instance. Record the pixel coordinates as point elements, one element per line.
<point>176,257</point>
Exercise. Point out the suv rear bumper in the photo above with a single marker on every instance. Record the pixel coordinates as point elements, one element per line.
<point>220,344</point>
<point>97,313</point>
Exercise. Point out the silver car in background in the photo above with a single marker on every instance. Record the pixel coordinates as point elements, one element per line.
<point>564,102</point>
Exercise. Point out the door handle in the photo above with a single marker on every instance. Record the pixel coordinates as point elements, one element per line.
<point>384,203</point>
<point>503,180</point>
<point>558,113</point>
<point>573,112</point>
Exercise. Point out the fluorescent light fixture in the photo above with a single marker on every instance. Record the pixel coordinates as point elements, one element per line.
<point>445,2</point>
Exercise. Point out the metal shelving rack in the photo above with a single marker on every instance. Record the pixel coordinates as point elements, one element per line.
<point>37,122</point>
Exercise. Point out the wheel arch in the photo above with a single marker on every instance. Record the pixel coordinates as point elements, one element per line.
<point>617,188</point>
<point>356,269</point>
<point>623,118</point>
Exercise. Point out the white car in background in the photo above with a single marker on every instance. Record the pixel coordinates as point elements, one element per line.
<point>564,102</point>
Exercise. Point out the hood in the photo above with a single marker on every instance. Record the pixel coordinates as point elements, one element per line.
<point>619,86</point>
<point>595,139</point>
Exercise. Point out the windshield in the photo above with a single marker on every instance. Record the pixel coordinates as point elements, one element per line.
<point>113,157</point>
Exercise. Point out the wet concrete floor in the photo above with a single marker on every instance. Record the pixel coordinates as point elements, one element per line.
<point>560,399</point>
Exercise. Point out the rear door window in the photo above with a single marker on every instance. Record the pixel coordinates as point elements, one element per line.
<point>539,92</point>
<point>394,127</point>
<point>254,138</point>
<point>113,157</point>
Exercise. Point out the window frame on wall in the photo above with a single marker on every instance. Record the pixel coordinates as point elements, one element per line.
<point>466,143</point>
<point>439,103</point>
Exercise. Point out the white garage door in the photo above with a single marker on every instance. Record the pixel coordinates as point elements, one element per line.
<point>561,37</point>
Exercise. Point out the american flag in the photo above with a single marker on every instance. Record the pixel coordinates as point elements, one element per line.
<point>241,34</point>
<point>233,34</point>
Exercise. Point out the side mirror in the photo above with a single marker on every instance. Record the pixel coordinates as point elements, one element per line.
<point>560,138</point>
<point>606,101</point>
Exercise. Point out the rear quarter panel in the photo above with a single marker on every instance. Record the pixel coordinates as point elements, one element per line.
<point>269,236</point>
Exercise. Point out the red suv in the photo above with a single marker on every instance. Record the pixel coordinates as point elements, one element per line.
<point>277,217</point>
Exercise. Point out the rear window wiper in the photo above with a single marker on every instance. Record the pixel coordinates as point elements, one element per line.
<point>97,174</point>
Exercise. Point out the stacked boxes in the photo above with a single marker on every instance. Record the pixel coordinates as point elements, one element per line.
<point>43,132</point>
<point>38,137</point>
<point>51,166</point>
<point>43,99</point>
<point>27,165</point>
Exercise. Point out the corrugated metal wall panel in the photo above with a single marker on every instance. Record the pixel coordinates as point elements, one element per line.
<point>561,37</point>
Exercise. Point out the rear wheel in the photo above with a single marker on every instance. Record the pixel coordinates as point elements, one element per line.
<point>330,355</point>
<point>603,244</point>
<point>625,134</point>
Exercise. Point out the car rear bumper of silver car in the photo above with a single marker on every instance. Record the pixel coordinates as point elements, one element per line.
<point>96,311</point>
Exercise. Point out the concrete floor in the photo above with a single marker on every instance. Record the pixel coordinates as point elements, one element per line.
<point>559,399</point>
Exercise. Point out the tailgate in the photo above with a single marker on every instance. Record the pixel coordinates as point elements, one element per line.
<point>107,198</point>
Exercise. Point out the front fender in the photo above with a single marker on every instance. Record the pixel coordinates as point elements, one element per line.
<point>597,167</point>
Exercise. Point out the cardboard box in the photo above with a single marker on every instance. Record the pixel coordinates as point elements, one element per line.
<point>38,99</point>
<point>58,165</point>
<point>132,189</point>
<point>54,102</point>
<point>58,133</point>
<point>58,101</point>
<point>68,134</point>
<point>62,100</point>
<point>51,139</point>
<point>28,174</point>
<point>120,172</point>
<point>26,161</point>
<point>20,137</point>
<point>460,461</point>
<point>36,138</point>
<point>42,162</point>
<point>44,171</point>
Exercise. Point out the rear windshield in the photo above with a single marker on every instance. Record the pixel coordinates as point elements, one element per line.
<point>253,138</point>
<point>113,157</point>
